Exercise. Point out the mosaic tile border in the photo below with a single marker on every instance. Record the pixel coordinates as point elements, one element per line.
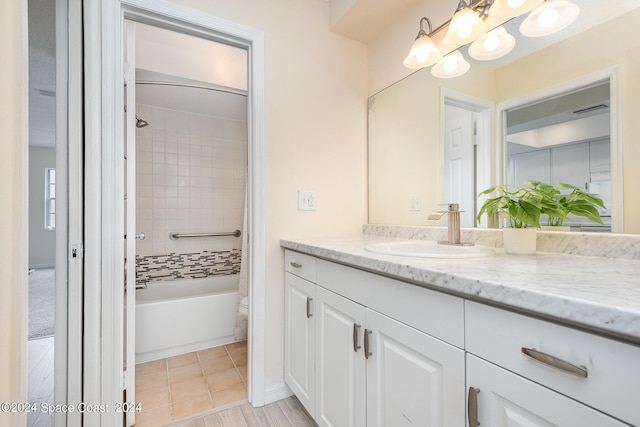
<point>192,265</point>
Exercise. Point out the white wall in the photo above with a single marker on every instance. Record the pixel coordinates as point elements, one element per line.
<point>191,178</point>
<point>315,134</point>
<point>13,220</point>
<point>42,243</point>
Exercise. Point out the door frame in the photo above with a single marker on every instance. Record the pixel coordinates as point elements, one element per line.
<point>104,224</point>
<point>485,133</point>
<point>614,75</point>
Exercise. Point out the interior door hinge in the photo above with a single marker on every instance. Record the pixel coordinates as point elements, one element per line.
<point>76,251</point>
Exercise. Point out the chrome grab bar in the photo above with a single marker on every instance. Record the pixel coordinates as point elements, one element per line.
<point>174,235</point>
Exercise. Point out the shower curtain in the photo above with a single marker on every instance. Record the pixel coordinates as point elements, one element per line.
<point>240,333</point>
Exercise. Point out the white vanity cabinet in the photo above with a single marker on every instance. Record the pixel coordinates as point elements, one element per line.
<point>545,374</point>
<point>375,365</point>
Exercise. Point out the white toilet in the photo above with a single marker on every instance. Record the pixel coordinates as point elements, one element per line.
<point>244,306</point>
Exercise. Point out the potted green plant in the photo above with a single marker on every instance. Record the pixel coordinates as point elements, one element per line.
<point>575,202</point>
<point>523,207</point>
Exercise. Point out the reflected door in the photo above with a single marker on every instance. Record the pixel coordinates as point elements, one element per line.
<point>459,162</point>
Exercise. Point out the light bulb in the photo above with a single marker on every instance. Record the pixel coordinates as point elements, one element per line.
<point>548,17</point>
<point>491,42</point>
<point>514,4</point>
<point>422,55</point>
<point>450,65</point>
<point>464,32</point>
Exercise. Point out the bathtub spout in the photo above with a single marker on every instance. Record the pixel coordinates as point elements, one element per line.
<point>142,285</point>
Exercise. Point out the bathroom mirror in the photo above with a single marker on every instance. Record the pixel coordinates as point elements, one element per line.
<point>406,131</point>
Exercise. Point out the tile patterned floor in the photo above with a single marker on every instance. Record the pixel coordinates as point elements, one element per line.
<point>181,386</point>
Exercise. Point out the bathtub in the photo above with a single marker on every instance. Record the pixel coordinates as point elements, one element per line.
<point>179,316</point>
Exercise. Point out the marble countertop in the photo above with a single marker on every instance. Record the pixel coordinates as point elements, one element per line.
<point>597,294</point>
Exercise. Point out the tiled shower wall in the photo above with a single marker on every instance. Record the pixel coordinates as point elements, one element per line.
<point>191,178</point>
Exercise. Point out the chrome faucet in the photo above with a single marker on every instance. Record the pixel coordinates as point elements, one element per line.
<point>453,224</point>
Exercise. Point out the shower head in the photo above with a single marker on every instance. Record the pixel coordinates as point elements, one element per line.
<point>141,123</point>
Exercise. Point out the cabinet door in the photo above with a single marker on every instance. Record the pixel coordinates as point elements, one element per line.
<point>299,356</point>
<point>505,399</point>
<point>570,164</point>
<point>413,379</point>
<point>340,363</point>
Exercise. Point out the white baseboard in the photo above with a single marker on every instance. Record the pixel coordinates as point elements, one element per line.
<point>277,392</point>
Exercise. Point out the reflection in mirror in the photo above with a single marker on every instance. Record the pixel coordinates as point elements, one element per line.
<point>406,132</point>
<point>564,139</point>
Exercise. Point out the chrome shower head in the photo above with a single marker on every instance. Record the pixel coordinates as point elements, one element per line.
<point>141,123</point>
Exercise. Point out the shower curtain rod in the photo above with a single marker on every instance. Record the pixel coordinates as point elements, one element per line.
<point>151,82</point>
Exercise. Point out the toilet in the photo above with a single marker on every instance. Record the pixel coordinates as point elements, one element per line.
<point>244,306</point>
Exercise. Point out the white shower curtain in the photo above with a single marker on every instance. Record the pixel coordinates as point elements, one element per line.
<point>241,321</point>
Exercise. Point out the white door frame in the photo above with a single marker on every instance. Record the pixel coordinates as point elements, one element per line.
<point>485,134</point>
<point>614,75</point>
<point>104,187</point>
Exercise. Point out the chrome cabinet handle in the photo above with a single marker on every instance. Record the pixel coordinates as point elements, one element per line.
<point>140,236</point>
<point>556,363</point>
<point>367,353</point>
<point>295,264</point>
<point>309,314</point>
<point>356,347</point>
<point>472,406</point>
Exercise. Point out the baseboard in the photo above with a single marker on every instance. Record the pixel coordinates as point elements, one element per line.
<point>277,392</point>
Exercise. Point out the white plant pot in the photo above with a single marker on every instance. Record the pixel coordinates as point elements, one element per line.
<point>519,240</point>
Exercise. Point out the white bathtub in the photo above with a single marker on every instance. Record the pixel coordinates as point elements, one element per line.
<point>184,315</point>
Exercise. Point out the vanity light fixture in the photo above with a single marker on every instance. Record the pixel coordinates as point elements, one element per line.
<point>452,65</point>
<point>550,17</point>
<point>493,45</point>
<point>467,24</point>
<point>470,25</point>
<point>511,8</point>
<point>423,52</point>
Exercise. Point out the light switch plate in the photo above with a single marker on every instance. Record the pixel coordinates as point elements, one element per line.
<point>306,200</point>
<point>414,202</point>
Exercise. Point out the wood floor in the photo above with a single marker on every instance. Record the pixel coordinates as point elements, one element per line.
<point>288,412</point>
<point>40,379</point>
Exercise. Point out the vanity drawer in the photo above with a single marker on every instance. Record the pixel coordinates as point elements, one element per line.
<point>300,264</point>
<point>612,367</point>
<point>434,313</point>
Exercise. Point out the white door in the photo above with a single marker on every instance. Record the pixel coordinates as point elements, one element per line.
<point>459,162</point>
<point>340,364</point>
<point>299,341</point>
<point>505,399</point>
<point>413,379</point>
<point>130,220</point>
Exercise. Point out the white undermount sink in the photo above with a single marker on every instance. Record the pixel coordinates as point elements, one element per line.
<point>428,249</point>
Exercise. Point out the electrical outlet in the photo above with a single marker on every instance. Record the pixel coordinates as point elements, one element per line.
<point>414,202</point>
<point>306,200</point>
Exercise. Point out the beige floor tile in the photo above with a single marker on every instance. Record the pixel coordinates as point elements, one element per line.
<point>216,365</point>
<point>212,353</point>
<point>182,360</point>
<point>224,379</point>
<point>148,382</point>
<point>153,417</point>
<point>243,373</point>
<point>185,373</point>
<point>192,406</point>
<point>187,390</point>
<point>230,395</point>
<point>153,398</point>
<point>237,347</point>
<point>152,367</point>
<point>239,359</point>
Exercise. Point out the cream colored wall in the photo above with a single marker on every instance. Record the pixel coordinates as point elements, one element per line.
<point>578,56</point>
<point>404,144</point>
<point>315,134</point>
<point>13,221</point>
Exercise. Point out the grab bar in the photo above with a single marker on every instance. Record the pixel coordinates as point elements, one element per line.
<point>174,236</point>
